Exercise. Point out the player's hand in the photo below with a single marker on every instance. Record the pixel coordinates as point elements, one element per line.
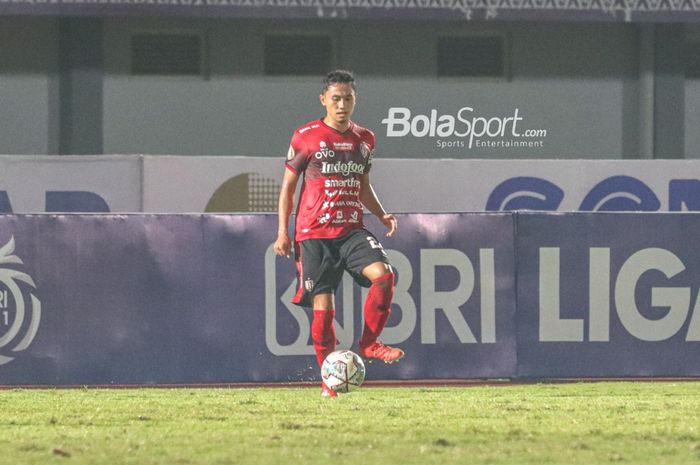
<point>390,222</point>
<point>283,246</point>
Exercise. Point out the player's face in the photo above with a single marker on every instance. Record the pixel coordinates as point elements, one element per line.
<point>339,100</point>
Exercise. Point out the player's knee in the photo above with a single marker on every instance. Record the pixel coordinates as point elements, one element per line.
<point>385,281</point>
<point>385,288</point>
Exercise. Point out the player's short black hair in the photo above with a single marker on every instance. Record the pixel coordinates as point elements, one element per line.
<point>338,76</point>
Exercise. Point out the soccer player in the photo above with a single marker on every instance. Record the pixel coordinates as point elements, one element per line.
<point>334,155</point>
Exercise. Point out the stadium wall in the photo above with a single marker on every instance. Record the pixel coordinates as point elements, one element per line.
<point>238,104</point>
<point>29,89</point>
<point>587,85</point>
<point>151,299</point>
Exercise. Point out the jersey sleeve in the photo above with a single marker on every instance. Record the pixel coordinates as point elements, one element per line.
<point>368,143</point>
<point>297,156</point>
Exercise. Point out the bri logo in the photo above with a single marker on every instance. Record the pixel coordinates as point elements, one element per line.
<point>615,193</point>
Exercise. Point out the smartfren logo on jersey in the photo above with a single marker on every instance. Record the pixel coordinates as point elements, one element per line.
<point>20,309</point>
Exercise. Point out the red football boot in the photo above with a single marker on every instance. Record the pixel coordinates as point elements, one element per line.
<point>386,354</point>
<point>327,392</point>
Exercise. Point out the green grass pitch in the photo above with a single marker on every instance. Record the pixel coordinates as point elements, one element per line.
<point>582,423</point>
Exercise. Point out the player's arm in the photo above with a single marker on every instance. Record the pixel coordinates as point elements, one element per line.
<point>371,202</point>
<point>283,245</point>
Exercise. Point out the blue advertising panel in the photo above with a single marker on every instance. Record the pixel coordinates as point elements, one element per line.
<point>608,294</point>
<point>124,299</point>
<point>102,299</point>
<point>454,302</point>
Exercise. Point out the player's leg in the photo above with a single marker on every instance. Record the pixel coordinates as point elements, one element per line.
<point>377,309</point>
<point>319,272</point>
<point>322,327</point>
<point>323,332</point>
<point>368,263</point>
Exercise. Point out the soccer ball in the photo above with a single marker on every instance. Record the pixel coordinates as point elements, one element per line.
<point>343,371</point>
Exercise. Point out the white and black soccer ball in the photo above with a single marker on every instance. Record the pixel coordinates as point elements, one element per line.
<point>343,371</point>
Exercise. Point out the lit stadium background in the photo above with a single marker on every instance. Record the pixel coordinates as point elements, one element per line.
<point>186,110</point>
<point>541,157</point>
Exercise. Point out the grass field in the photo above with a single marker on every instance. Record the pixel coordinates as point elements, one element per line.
<point>586,423</point>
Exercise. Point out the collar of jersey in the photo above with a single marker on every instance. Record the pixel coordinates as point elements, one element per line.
<point>352,125</point>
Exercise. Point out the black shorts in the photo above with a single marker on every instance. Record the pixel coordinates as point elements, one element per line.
<point>321,262</point>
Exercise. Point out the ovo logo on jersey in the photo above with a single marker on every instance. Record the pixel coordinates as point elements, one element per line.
<point>324,151</point>
<point>20,309</point>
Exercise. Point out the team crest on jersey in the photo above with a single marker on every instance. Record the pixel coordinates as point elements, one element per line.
<point>291,154</point>
<point>309,285</point>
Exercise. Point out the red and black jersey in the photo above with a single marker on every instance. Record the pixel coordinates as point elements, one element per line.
<point>332,163</point>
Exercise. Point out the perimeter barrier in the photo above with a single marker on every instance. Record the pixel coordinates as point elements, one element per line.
<point>201,298</point>
<point>199,184</point>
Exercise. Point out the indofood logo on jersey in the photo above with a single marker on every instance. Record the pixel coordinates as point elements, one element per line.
<point>20,309</point>
<point>344,168</point>
<point>464,129</point>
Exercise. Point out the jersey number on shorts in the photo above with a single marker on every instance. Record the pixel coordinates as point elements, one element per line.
<point>374,243</point>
